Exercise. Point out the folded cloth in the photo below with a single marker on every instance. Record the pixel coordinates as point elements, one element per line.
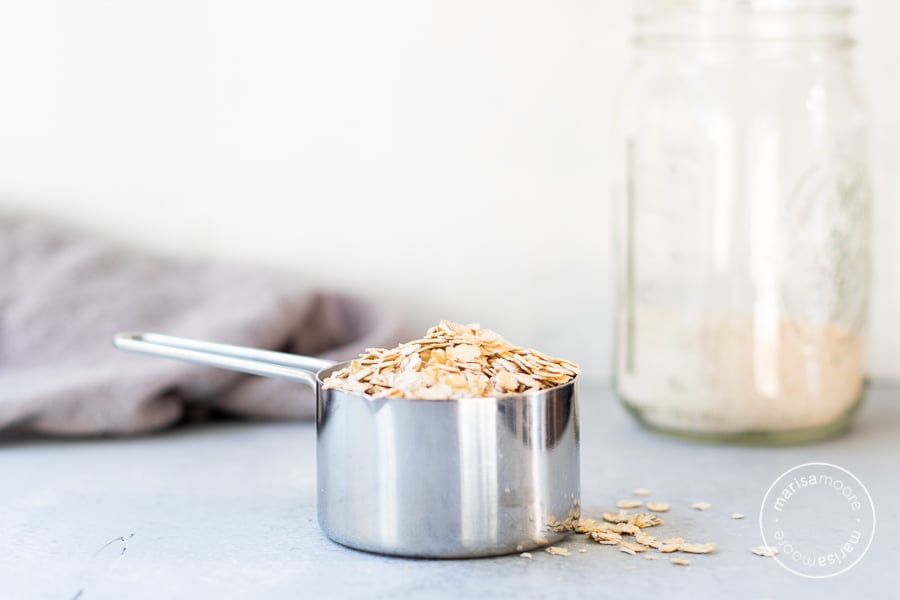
<point>64,295</point>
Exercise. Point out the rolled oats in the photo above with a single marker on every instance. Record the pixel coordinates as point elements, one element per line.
<point>620,517</point>
<point>677,541</point>
<point>588,525</point>
<point>452,361</point>
<point>605,537</point>
<point>767,551</point>
<point>614,528</point>
<point>643,520</point>
<point>625,528</point>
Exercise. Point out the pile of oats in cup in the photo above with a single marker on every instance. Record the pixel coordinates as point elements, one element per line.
<point>452,361</point>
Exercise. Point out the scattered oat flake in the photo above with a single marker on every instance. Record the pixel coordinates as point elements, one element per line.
<point>642,492</point>
<point>701,505</point>
<point>526,555</point>
<point>558,551</point>
<point>675,541</point>
<point>588,525</point>
<point>643,520</point>
<point>767,551</point>
<point>630,567</point>
<point>615,526</point>
<point>658,506</point>
<point>698,548</point>
<point>737,516</point>
<point>582,550</point>
<point>605,537</point>
<point>621,517</point>
<point>628,503</point>
<point>625,528</point>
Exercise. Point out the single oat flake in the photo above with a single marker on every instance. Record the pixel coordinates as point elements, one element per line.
<point>644,520</point>
<point>620,517</point>
<point>452,361</point>
<point>642,492</point>
<point>677,541</point>
<point>605,537</point>
<point>697,548</point>
<point>701,506</point>
<point>767,551</point>
<point>680,560</point>
<point>737,516</point>
<point>658,506</point>
<point>628,504</point>
<point>526,555</point>
<point>558,551</point>
<point>588,525</point>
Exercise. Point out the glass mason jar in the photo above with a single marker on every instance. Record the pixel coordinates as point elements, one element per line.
<point>742,221</point>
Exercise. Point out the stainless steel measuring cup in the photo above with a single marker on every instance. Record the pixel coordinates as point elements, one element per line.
<point>423,478</point>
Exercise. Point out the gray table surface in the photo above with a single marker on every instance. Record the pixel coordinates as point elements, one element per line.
<point>228,510</point>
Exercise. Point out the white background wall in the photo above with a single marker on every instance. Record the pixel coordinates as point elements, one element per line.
<point>449,156</point>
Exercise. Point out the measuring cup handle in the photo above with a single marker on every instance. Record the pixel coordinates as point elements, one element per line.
<point>267,363</point>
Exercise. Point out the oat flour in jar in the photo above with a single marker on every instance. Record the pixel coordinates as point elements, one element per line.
<point>729,374</point>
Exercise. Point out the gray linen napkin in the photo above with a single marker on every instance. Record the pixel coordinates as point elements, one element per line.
<point>64,295</point>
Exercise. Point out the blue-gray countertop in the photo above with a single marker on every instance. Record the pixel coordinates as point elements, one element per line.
<point>228,511</point>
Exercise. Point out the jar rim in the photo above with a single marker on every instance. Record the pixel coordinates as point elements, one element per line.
<point>650,8</point>
<point>796,21</point>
